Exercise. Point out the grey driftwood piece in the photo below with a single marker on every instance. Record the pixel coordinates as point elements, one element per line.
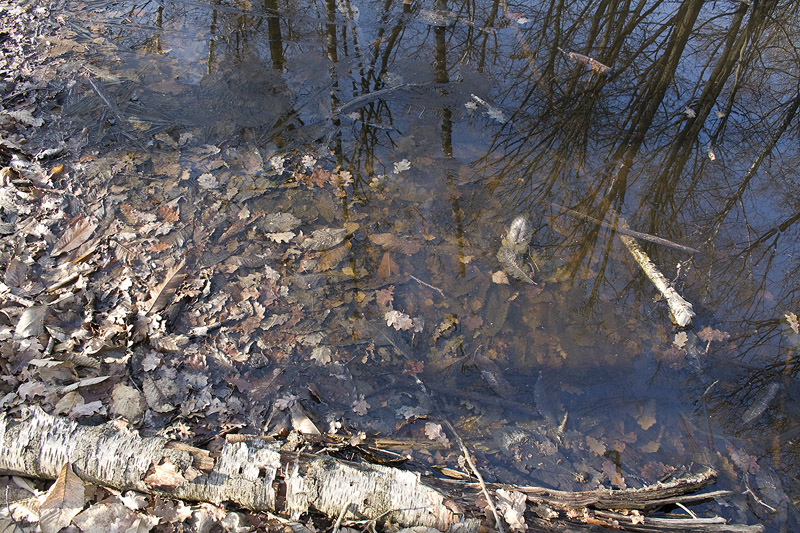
<point>249,473</point>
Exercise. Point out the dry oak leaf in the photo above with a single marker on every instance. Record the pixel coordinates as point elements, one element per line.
<point>360,406</point>
<point>398,320</point>
<point>434,432</point>
<point>681,338</point>
<point>791,319</point>
<point>324,239</point>
<point>709,334</point>
<point>384,296</point>
<point>512,504</point>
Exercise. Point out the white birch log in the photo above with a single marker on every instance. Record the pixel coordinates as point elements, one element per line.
<point>250,473</point>
<point>681,310</point>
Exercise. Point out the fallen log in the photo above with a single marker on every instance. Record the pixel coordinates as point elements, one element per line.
<point>680,310</point>
<point>265,475</point>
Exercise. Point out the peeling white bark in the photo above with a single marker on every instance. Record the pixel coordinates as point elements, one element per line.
<point>681,310</point>
<point>248,473</point>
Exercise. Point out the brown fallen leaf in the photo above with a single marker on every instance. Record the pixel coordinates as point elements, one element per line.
<point>331,258</point>
<point>388,267</point>
<point>79,232</point>
<point>64,500</point>
<point>31,322</point>
<point>162,295</point>
<point>614,475</point>
<point>164,476</point>
<point>393,243</point>
<point>384,296</point>
<point>646,415</point>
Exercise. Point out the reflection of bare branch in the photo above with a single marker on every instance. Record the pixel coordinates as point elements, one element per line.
<point>791,112</point>
<point>628,231</point>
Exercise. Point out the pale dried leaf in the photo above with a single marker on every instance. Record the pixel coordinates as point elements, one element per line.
<point>133,500</point>
<point>279,222</point>
<point>360,406</point>
<point>30,389</point>
<point>164,476</point>
<point>162,295</point>
<point>398,320</point>
<point>158,392</point>
<point>68,402</point>
<point>16,273</point>
<point>324,239</point>
<point>791,319</point>
<point>284,236</point>
<point>402,166</point>
<point>499,277</point>
<point>512,505</point>
<point>64,500</point>
<point>207,181</point>
<point>322,354</point>
<point>31,323</point>
<point>151,361</point>
<point>434,432</point>
<point>595,446</point>
<point>300,420</point>
<point>78,233</point>
<point>88,409</point>
<point>127,402</point>
<point>680,339</point>
<point>84,383</point>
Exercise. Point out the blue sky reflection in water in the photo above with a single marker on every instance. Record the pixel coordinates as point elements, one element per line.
<point>418,132</point>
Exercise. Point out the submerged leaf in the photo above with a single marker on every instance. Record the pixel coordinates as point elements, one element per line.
<point>761,402</point>
<point>324,239</point>
<point>394,243</point>
<point>398,320</point>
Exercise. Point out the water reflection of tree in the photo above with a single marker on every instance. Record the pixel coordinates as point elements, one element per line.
<point>654,140</point>
<point>689,81</point>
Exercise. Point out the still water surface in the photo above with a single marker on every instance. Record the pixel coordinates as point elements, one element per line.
<point>420,130</point>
